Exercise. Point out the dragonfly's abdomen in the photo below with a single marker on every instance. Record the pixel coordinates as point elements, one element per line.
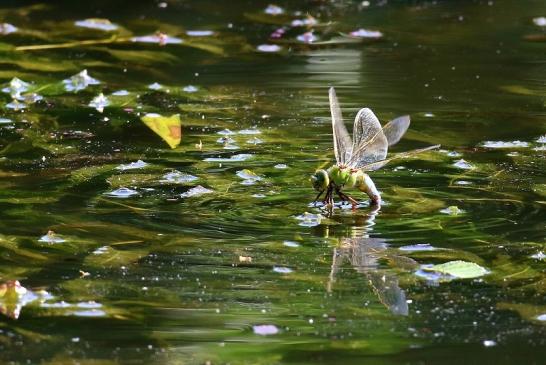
<point>365,184</point>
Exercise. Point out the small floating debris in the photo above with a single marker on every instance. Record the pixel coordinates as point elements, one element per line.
<point>541,317</point>
<point>278,33</point>
<point>255,141</point>
<point>269,48</point>
<point>89,313</point>
<point>155,86</point>
<point>122,193</point>
<point>539,256</point>
<point>6,28</point>
<point>226,132</point>
<point>79,81</point>
<point>99,102</point>
<point>97,23</point>
<point>273,10</point>
<point>502,144</point>
<point>89,305</point>
<point>450,153</point>
<point>282,269</point>
<point>190,89</point>
<point>249,177</point>
<point>462,164</point>
<point>159,38</point>
<point>5,121</point>
<point>177,177</point>
<point>291,244</point>
<point>101,250</point>
<point>489,343</point>
<point>133,165</point>
<point>452,210</point>
<point>265,329</point>
<point>418,247</point>
<point>225,140</point>
<point>365,33</point>
<point>250,131</point>
<point>280,166</point>
<point>463,182</point>
<point>540,148</point>
<point>199,33</point>
<point>16,105</point>
<point>309,219</point>
<point>120,93</point>
<point>542,139</point>
<point>14,296</point>
<point>258,196</point>
<point>30,98</point>
<point>16,86</point>
<point>196,191</point>
<point>309,21</point>
<point>307,37</point>
<point>51,237</point>
<point>235,158</point>
<point>540,21</point>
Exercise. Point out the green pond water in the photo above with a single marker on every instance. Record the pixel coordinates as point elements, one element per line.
<point>248,272</point>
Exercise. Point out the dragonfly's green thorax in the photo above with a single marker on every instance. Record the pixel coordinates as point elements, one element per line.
<point>339,176</point>
<point>342,176</point>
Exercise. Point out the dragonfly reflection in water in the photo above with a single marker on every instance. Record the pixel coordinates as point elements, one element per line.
<point>366,151</point>
<point>364,254</point>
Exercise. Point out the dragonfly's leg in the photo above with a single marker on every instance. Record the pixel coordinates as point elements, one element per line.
<point>318,196</point>
<point>346,197</point>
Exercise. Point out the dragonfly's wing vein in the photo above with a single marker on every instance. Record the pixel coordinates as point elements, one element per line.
<point>369,141</point>
<point>395,129</point>
<point>342,140</point>
<point>378,164</point>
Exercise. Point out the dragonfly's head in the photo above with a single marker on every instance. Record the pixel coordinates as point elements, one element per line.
<point>320,180</point>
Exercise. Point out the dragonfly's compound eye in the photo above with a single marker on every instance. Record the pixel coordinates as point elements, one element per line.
<point>320,180</point>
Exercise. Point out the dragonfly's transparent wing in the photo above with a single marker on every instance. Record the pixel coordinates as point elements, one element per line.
<point>369,142</point>
<point>342,140</point>
<point>378,164</point>
<point>395,129</point>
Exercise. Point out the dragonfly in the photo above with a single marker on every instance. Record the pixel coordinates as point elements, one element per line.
<point>366,151</point>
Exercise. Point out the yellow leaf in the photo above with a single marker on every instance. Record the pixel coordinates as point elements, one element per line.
<point>168,128</point>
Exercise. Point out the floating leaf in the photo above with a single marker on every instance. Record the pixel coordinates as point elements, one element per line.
<point>168,128</point>
<point>459,269</point>
<point>79,81</point>
<point>96,23</point>
<point>114,258</point>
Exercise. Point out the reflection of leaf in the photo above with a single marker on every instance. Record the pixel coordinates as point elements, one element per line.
<point>459,269</point>
<point>114,258</point>
<point>89,172</point>
<point>507,269</point>
<point>142,56</point>
<point>517,89</point>
<point>168,128</point>
<point>445,254</point>
<point>412,201</point>
<point>528,311</point>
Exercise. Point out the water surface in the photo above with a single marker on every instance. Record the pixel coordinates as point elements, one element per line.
<point>129,251</point>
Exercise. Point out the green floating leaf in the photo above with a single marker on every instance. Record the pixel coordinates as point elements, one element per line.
<point>168,128</point>
<point>459,269</point>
